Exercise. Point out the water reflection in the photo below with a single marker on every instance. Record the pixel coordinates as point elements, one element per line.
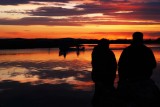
<point>46,66</point>
<point>63,51</point>
<point>43,95</point>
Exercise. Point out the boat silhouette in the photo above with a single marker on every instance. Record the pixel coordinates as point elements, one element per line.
<point>65,50</point>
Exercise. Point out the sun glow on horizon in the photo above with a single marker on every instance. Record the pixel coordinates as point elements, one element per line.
<point>89,32</point>
<point>90,19</point>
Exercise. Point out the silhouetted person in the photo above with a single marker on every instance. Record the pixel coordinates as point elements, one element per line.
<point>104,67</point>
<point>135,68</point>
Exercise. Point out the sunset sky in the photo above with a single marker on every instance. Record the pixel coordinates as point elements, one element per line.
<point>90,19</point>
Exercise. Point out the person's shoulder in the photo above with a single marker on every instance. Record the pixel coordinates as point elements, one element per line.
<point>109,51</point>
<point>95,47</point>
<point>147,48</point>
<point>127,48</point>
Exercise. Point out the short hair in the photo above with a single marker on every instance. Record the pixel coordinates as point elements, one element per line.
<point>104,41</point>
<point>137,37</point>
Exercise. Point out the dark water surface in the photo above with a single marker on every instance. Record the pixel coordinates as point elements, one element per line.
<point>45,78</point>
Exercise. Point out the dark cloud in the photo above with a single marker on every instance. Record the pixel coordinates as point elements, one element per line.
<point>59,11</point>
<point>51,0</point>
<point>72,21</point>
<point>89,6</point>
<point>82,9</point>
<point>138,11</point>
<point>16,2</point>
<point>142,11</point>
<point>113,0</point>
<point>97,8</point>
<point>13,2</point>
<point>124,12</point>
<point>39,21</point>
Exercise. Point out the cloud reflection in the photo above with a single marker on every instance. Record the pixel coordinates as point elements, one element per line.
<point>61,68</point>
<point>49,72</point>
<point>52,69</point>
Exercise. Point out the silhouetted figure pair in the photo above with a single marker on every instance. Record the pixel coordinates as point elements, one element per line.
<point>135,67</point>
<point>104,67</point>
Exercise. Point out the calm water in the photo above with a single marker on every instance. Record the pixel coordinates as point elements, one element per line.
<point>44,78</point>
<point>46,66</point>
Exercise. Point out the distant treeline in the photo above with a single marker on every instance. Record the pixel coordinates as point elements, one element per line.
<point>19,43</point>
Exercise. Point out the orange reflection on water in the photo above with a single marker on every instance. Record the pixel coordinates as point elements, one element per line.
<point>87,86</point>
<point>77,84</point>
<point>18,65</point>
<point>29,55</point>
<point>157,55</point>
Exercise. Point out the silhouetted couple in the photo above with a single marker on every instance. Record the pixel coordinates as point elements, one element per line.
<point>135,67</point>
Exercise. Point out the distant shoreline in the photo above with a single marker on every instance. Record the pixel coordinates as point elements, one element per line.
<point>20,43</point>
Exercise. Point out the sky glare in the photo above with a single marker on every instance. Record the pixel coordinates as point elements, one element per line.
<point>90,19</point>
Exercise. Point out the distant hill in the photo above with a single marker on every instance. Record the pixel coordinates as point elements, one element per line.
<point>20,43</point>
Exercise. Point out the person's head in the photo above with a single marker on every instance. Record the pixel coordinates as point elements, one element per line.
<point>137,38</point>
<point>104,42</point>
